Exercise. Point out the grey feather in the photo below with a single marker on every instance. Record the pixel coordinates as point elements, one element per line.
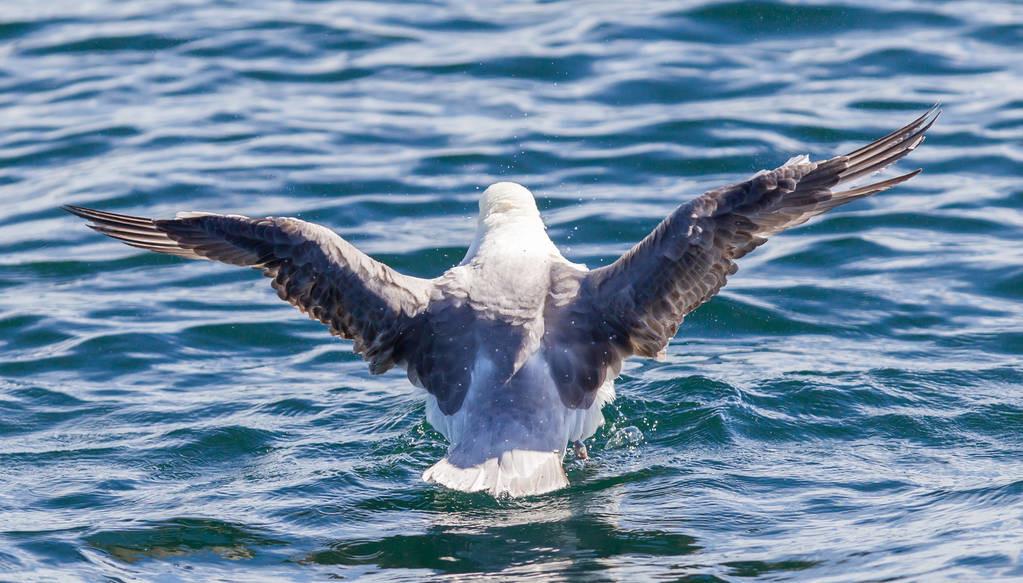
<point>635,305</point>
<point>311,267</point>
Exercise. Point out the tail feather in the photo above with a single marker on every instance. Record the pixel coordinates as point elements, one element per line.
<point>514,473</point>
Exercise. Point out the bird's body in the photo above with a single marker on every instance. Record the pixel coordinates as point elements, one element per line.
<point>512,429</point>
<point>516,346</point>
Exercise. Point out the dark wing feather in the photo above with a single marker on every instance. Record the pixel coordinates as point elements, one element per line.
<point>635,305</point>
<point>312,268</point>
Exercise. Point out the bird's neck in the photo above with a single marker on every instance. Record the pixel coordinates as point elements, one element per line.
<point>509,234</point>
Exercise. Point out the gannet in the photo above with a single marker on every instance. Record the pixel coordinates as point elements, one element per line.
<point>516,346</point>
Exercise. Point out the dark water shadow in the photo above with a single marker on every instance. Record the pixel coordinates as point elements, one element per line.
<point>571,533</point>
<point>182,537</point>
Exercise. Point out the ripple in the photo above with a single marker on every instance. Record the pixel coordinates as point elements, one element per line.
<point>107,43</point>
<point>757,19</point>
<point>847,408</point>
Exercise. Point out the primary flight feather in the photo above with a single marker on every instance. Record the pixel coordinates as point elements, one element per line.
<point>516,346</point>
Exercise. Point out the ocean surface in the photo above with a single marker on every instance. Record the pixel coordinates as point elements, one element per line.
<point>849,408</point>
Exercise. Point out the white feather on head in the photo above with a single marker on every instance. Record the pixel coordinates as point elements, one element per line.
<point>507,197</point>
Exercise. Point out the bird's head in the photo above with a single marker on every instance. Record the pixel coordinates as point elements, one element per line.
<point>509,222</point>
<point>507,199</point>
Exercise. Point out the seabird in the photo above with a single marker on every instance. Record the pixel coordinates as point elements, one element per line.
<point>517,347</point>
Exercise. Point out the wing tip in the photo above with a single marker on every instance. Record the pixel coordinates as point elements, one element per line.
<point>874,188</point>
<point>883,152</point>
<point>78,211</point>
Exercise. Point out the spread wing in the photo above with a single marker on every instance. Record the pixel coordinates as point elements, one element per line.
<point>635,305</point>
<point>312,268</point>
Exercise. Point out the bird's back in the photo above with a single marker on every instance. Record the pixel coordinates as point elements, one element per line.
<point>510,428</point>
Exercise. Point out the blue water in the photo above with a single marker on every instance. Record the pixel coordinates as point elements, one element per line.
<point>850,408</point>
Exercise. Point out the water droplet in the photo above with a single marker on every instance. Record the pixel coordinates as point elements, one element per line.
<point>625,437</point>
